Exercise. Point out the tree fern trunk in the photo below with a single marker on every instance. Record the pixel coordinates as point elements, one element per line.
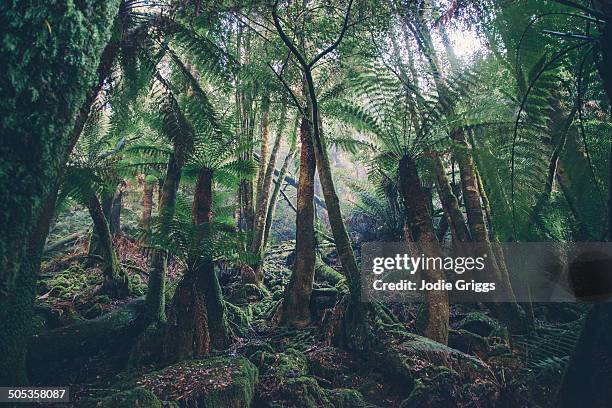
<point>296,303</point>
<point>206,278</point>
<point>147,205</point>
<point>422,234</point>
<point>43,92</point>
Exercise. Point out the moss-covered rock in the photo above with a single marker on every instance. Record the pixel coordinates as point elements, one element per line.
<point>303,392</point>
<point>285,381</point>
<point>346,398</point>
<point>468,342</point>
<point>478,323</point>
<point>211,383</point>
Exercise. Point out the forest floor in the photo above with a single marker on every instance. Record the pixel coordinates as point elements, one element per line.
<point>80,342</point>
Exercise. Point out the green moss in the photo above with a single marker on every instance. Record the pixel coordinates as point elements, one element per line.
<point>346,398</point>
<point>72,282</point>
<point>239,318</point>
<point>50,55</point>
<point>478,323</point>
<point>304,392</point>
<point>323,272</point>
<point>215,382</point>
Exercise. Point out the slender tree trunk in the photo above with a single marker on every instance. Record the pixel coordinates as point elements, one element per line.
<point>265,146</point>
<point>356,331</point>
<point>155,301</point>
<point>147,205</point>
<point>115,211</point>
<point>296,303</point>
<point>263,199</point>
<point>277,188</point>
<point>423,235</point>
<point>116,281</point>
<point>450,204</point>
<point>38,121</point>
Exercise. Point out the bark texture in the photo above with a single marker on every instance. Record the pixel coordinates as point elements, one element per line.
<point>296,303</point>
<point>45,87</point>
<point>422,237</point>
<point>197,322</point>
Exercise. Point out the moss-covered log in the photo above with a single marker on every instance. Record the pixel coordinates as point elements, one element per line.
<point>59,348</point>
<point>50,54</point>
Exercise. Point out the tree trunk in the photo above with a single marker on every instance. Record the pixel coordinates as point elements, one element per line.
<point>356,331</point>
<point>38,121</point>
<point>155,301</point>
<point>116,281</point>
<point>147,205</point>
<point>265,145</point>
<point>197,322</point>
<point>216,311</point>
<point>115,211</point>
<point>587,380</point>
<point>95,248</point>
<point>277,189</point>
<point>263,198</point>
<point>423,235</point>
<point>296,303</point>
<point>450,204</point>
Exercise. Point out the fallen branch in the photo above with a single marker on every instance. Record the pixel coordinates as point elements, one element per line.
<point>63,241</point>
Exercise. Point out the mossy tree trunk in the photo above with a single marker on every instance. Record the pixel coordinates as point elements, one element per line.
<point>216,311</point>
<point>116,281</point>
<point>296,302</point>
<point>47,74</point>
<point>155,301</point>
<point>422,236</point>
<point>510,312</point>
<point>95,248</point>
<point>114,218</point>
<point>198,318</point>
